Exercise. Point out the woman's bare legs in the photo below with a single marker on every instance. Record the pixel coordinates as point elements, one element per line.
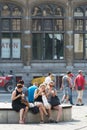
<point>59,108</point>
<point>21,116</point>
<point>39,104</point>
<point>25,113</point>
<point>49,113</point>
<point>42,110</point>
<point>41,113</point>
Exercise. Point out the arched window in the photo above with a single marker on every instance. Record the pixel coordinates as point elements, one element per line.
<point>80,32</point>
<point>47,32</point>
<point>5,11</point>
<point>78,12</point>
<point>10,31</point>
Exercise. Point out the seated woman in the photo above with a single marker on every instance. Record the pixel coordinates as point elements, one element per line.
<point>51,91</point>
<point>17,104</point>
<point>39,102</point>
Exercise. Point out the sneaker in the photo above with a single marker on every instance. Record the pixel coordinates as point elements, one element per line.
<point>72,104</point>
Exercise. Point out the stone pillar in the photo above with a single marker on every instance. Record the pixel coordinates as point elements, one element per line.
<point>26,36</point>
<point>69,36</point>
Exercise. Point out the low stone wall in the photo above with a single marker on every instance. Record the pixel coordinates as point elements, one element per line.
<point>8,115</point>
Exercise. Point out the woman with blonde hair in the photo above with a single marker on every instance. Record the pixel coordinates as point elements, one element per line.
<point>39,101</point>
<point>52,92</point>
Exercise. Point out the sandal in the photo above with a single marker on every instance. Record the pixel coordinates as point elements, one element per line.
<point>21,122</point>
<point>41,122</point>
<point>24,120</point>
<point>47,115</point>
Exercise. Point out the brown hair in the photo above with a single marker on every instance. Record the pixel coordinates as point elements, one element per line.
<point>19,86</point>
<point>21,82</point>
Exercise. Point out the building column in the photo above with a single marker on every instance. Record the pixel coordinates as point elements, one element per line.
<point>26,36</point>
<point>69,36</point>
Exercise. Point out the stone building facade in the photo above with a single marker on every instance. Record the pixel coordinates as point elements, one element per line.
<point>40,36</point>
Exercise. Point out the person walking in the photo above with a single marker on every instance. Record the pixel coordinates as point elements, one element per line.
<point>71,89</point>
<point>48,79</point>
<point>79,84</point>
<point>67,87</point>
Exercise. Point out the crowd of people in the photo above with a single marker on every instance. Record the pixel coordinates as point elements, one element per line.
<point>41,96</point>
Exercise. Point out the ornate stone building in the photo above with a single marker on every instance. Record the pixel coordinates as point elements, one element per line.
<point>38,36</point>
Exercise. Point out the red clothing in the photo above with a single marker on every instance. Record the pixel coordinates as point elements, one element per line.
<point>80,81</point>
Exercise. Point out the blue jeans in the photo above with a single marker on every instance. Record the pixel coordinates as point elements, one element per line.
<point>70,96</point>
<point>68,91</point>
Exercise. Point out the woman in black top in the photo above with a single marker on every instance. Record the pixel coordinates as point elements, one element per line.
<point>17,105</point>
<point>38,101</point>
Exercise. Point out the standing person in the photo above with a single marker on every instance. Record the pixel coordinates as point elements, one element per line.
<point>17,105</point>
<point>71,89</point>
<point>79,85</point>
<point>66,86</point>
<point>48,79</point>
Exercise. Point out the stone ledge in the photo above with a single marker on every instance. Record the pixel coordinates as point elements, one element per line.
<point>8,115</point>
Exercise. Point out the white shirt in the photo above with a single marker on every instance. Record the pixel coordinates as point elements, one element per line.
<point>48,80</point>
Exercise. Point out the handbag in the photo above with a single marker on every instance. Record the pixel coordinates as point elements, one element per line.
<point>23,101</point>
<point>34,109</point>
<point>79,87</point>
<point>54,101</point>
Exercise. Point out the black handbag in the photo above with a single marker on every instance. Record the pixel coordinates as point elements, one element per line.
<point>79,87</point>
<point>23,101</point>
<point>54,101</point>
<point>34,109</point>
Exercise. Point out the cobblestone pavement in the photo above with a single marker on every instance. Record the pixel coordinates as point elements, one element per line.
<point>78,122</point>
